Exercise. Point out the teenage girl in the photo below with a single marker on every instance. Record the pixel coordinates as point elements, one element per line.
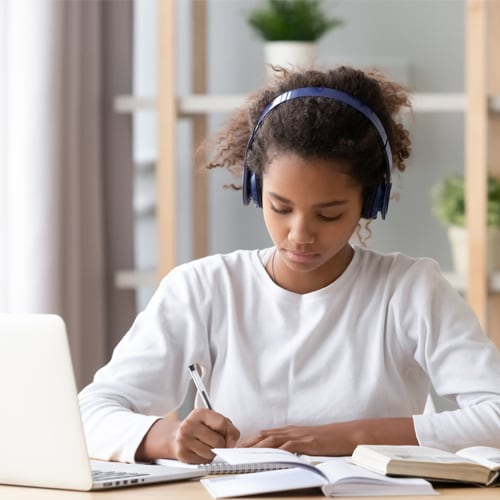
<point>315,344</point>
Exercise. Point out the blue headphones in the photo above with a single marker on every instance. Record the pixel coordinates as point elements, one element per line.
<point>377,200</point>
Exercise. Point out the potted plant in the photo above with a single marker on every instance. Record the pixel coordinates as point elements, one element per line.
<point>291,29</point>
<point>448,198</point>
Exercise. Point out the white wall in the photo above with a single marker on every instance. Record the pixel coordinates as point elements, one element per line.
<point>418,41</point>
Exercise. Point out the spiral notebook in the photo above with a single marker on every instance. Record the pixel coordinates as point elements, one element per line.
<point>218,466</point>
<point>241,460</point>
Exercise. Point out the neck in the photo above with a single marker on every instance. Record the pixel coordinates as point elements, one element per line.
<point>310,281</point>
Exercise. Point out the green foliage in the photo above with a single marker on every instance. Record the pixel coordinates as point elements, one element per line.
<point>448,198</point>
<point>298,20</point>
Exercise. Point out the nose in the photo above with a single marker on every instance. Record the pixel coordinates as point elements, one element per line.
<point>301,231</point>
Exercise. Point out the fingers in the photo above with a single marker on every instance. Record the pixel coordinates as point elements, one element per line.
<point>201,431</point>
<point>221,425</point>
<point>296,439</point>
<point>265,439</point>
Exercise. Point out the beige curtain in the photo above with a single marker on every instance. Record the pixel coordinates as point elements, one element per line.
<point>66,168</point>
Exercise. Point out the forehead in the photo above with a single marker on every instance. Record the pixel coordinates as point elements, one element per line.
<point>290,175</point>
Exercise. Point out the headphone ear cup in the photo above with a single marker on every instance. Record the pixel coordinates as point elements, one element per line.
<point>246,187</point>
<point>256,189</point>
<point>368,204</point>
<point>376,200</point>
<point>252,187</point>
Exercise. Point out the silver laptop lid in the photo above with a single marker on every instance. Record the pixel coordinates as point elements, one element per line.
<point>41,436</point>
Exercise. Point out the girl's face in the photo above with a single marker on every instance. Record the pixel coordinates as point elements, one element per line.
<point>311,209</point>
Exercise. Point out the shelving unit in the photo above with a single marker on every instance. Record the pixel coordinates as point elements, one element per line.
<point>481,105</point>
<point>482,150</point>
<point>166,105</point>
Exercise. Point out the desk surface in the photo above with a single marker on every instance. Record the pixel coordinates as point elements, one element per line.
<point>193,490</point>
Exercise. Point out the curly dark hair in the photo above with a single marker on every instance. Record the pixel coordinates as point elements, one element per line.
<point>315,127</point>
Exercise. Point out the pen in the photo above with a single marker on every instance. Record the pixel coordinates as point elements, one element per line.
<point>202,391</point>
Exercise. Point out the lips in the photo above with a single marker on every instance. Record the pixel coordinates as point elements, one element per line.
<point>301,257</point>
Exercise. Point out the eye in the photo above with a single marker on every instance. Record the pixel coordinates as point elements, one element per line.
<point>280,210</point>
<point>327,218</point>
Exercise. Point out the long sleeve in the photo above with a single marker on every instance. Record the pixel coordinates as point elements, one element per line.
<point>461,362</point>
<point>147,375</point>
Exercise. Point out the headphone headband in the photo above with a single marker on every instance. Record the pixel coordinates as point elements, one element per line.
<point>377,200</point>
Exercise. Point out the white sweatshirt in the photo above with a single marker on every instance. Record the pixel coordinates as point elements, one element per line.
<point>368,345</point>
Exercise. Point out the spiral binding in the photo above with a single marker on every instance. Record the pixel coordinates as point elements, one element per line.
<point>224,468</point>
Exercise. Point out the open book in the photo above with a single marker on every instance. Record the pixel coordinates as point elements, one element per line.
<point>337,477</point>
<point>476,464</point>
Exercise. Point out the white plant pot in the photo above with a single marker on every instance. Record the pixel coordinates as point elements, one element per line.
<point>457,237</point>
<point>289,55</point>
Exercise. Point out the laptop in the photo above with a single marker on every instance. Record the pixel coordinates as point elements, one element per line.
<point>41,434</point>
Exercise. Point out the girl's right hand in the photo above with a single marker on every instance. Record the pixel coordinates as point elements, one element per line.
<point>190,440</point>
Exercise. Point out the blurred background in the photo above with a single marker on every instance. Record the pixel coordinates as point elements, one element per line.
<point>80,133</point>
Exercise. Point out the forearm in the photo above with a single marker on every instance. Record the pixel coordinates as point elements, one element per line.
<point>478,423</point>
<point>159,441</point>
<point>112,431</point>
<point>337,439</point>
<point>344,437</point>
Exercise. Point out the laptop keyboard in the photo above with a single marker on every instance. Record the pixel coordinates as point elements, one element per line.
<point>105,475</point>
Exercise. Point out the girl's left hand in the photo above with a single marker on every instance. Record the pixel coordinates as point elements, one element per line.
<point>309,440</point>
<point>336,439</point>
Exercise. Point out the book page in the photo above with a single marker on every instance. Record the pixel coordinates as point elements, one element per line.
<point>484,455</point>
<point>259,455</point>
<point>342,470</point>
<point>262,482</point>
<point>416,454</point>
<point>345,478</point>
<point>319,459</point>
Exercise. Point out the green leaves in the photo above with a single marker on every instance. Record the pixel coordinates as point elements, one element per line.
<point>448,197</point>
<point>493,202</point>
<point>297,20</point>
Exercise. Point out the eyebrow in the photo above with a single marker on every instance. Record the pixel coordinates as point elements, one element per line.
<point>333,203</point>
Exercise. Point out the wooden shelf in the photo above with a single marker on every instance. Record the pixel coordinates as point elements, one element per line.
<point>133,279</point>
<point>201,104</point>
<point>437,102</point>
<point>494,104</point>
<point>459,281</point>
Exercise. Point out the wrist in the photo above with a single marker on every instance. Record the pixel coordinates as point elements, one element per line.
<point>159,441</point>
<point>388,431</point>
<point>345,436</point>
